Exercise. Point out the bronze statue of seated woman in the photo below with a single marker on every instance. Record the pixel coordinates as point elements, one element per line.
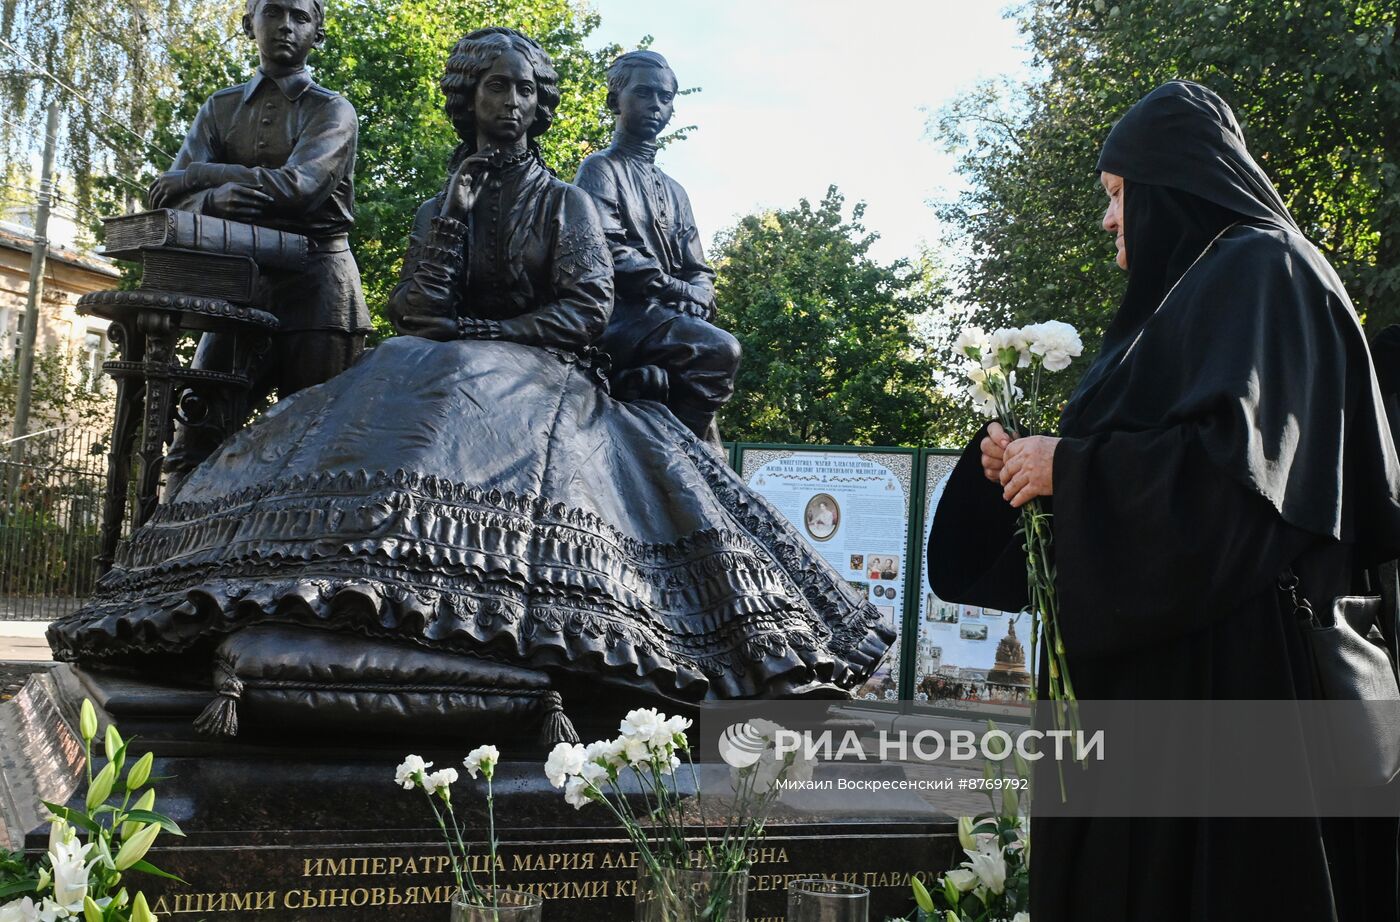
<point>467,507</point>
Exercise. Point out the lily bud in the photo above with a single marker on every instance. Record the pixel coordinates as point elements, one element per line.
<point>965,838</point>
<point>114,745</point>
<point>135,848</point>
<point>101,787</point>
<point>91,911</point>
<point>1010,803</point>
<point>147,801</point>
<point>921,895</point>
<point>140,772</point>
<point>140,912</point>
<point>87,721</point>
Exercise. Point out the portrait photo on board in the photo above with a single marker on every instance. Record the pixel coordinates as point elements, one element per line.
<point>822,516</point>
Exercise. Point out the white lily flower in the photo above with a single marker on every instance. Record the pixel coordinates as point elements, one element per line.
<point>21,910</point>
<point>989,864</point>
<point>70,873</point>
<point>482,759</point>
<point>409,770</point>
<point>59,832</point>
<point>962,878</point>
<point>1021,917</point>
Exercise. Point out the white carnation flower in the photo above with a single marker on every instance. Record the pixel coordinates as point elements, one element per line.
<point>605,752</point>
<point>801,768</point>
<point>565,760</point>
<point>1007,341</point>
<point>671,732</point>
<point>576,792</point>
<point>982,399</point>
<point>642,723</point>
<point>1015,392</point>
<point>636,750</point>
<point>440,781</point>
<point>1056,342</point>
<point>408,771</point>
<point>765,728</point>
<point>973,342</point>
<point>482,759</point>
<point>592,773</point>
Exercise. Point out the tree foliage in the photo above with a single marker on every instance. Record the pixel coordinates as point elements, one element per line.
<point>109,63</point>
<point>1315,84</point>
<point>830,353</point>
<point>151,65</point>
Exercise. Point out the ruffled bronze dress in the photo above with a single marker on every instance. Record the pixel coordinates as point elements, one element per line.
<point>486,496</point>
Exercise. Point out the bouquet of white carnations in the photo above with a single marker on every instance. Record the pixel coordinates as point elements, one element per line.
<point>83,880</point>
<point>413,773</point>
<point>997,358</point>
<point>678,880</point>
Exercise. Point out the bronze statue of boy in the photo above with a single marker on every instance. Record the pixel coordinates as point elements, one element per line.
<point>277,151</point>
<point>662,339</point>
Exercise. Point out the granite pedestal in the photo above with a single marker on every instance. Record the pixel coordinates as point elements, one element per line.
<point>281,832</point>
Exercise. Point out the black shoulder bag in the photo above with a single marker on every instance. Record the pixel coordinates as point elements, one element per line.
<point>1353,652</point>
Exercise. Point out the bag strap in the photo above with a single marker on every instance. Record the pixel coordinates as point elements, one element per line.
<point>1302,609</point>
<point>1384,580</point>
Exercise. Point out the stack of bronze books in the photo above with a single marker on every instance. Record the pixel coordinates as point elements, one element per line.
<point>194,254</point>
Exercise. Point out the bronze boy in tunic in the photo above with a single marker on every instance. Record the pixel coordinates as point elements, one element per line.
<point>278,151</point>
<point>662,340</point>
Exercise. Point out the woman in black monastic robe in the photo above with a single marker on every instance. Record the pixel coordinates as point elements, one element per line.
<point>1230,428</point>
<point>471,487</point>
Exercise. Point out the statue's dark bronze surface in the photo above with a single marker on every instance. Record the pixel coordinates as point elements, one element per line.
<point>662,337</point>
<point>154,387</point>
<point>278,152</point>
<point>471,488</point>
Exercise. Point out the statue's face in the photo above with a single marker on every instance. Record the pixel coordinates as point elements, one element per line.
<point>506,99</point>
<point>285,31</point>
<point>645,105</point>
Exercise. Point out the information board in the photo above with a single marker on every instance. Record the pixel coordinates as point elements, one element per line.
<point>962,652</point>
<point>854,507</point>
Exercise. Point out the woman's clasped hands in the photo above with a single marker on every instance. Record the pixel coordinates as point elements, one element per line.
<point>1025,467</point>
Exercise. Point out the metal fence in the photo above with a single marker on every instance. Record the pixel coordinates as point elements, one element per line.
<point>50,521</point>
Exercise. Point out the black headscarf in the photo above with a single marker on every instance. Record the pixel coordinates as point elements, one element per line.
<point>1234,323</point>
<point>1165,230</point>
